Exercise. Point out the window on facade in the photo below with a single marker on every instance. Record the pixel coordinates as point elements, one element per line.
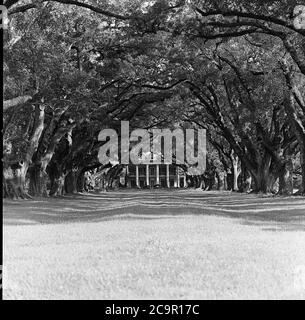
<point>163,170</point>
<point>132,170</point>
<point>181,182</point>
<point>172,170</point>
<point>163,183</point>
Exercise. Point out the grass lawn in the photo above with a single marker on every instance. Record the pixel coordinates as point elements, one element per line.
<point>184,244</point>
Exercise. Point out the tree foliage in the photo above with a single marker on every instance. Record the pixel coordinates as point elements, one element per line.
<point>236,68</point>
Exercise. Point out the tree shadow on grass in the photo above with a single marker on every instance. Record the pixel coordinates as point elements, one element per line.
<point>271,214</point>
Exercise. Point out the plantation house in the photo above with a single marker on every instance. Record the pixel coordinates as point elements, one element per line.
<point>150,175</point>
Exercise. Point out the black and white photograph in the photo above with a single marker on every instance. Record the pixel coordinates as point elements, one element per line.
<point>153,150</point>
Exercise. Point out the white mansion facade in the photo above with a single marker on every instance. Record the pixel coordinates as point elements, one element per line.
<point>150,175</point>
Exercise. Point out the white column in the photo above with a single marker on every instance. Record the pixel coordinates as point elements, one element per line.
<point>157,174</point>
<point>127,177</point>
<point>184,181</point>
<point>137,176</point>
<point>177,177</point>
<point>167,176</point>
<point>147,174</point>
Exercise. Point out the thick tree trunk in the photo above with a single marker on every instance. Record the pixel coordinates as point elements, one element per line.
<point>14,181</point>
<point>202,183</point>
<point>236,173</point>
<point>226,181</point>
<point>70,183</point>
<point>221,181</point>
<point>264,178</point>
<point>57,185</point>
<point>262,182</point>
<point>286,178</point>
<point>246,181</point>
<point>302,190</point>
<point>112,177</point>
<point>209,181</point>
<point>80,181</point>
<point>38,182</point>
<point>38,179</point>
<point>295,115</point>
<point>14,175</point>
<point>57,179</point>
